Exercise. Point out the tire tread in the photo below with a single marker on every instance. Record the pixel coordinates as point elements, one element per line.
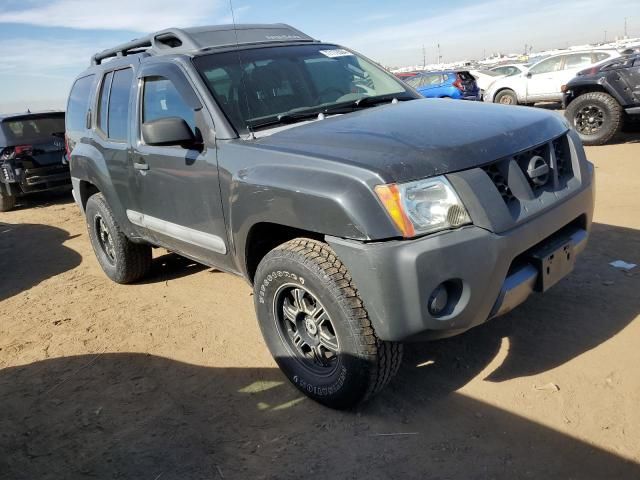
<point>385,357</point>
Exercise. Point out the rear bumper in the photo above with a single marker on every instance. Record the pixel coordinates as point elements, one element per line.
<point>489,272</point>
<point>20,181</point>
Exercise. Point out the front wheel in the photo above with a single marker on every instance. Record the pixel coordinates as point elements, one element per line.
<point>7,202</point>
<point>317,328</point>
<point>596,116</point>
<point>506,97</point>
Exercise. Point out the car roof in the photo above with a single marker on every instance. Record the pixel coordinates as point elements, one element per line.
<point>589,50</point>
<point>27,115</point>
<point>193,40</point>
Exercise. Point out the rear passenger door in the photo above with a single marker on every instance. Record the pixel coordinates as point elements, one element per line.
<point>112,137</point>
<point>177,188</point>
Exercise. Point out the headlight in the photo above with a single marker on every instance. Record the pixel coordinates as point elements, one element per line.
<point>424,206</point>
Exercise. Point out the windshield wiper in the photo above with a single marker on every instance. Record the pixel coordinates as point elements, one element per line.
<point>376,100</point>
<point>299,114</point>
<point>285,118</point>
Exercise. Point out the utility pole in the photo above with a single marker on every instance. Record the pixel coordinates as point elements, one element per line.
<point>439,55</point>
<point>605,36</point>
<point>424,58</point>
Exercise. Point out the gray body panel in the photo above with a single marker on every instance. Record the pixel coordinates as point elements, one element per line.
<point>420,138</point>
<point>395,278</point>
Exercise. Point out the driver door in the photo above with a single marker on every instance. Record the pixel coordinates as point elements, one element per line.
<point>176,187</point>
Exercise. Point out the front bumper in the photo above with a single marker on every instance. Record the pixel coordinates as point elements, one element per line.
<point>395,279</point>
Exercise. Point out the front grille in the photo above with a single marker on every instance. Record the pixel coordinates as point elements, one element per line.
<point>563,157</point>
<point>500,182</point>
<point>531,174</point>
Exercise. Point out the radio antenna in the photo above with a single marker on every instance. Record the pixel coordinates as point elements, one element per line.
<point>242,80</point>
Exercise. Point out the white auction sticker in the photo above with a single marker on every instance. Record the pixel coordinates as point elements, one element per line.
<point>336,53</point>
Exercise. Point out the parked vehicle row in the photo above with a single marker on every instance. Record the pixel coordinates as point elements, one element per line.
<point>362,214</point>
<point>543,81</point>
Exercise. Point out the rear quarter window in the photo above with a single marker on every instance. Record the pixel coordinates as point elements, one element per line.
<point>78,104</point>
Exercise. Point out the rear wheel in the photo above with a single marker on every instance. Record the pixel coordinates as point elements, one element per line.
<point>122,260</point>
<point>316,327</point>
<point>7,202</point>
<point>596,116</point>
<point>506,97</point>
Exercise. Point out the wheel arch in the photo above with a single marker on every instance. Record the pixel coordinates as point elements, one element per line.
<point>86,189</point>
<point>583,89</point>
<point>264,237</point>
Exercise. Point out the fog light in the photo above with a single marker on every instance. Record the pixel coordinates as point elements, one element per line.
<point>438,300</point>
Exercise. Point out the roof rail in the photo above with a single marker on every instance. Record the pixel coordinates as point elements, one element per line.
<point>177,40</point>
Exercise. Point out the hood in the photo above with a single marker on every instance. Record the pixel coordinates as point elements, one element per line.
<point>420,138</point>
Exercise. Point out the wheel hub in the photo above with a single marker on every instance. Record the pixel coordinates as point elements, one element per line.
<point>310,325</point>
<point>589,119</point>
<point>105,239</point>
<point>306,328</point>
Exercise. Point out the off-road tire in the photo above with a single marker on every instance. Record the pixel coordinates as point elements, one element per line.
<point>132,261</point>
<point>7,202</point>
<point>613,116</point>
<point>365,364</point>
<point>504,94</point>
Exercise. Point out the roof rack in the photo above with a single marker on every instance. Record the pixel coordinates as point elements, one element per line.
<point>190,40</point>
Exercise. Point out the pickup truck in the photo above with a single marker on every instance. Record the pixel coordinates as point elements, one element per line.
<point>362,214</point>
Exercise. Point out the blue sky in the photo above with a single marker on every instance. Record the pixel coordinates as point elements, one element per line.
<point>44,44</point>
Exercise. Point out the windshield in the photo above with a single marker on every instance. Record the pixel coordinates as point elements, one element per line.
<point>257,87</point>
<point>32,130</point>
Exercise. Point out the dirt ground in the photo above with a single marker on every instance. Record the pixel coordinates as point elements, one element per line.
<point>170,379</point>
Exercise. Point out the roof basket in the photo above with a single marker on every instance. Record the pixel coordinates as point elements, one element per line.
<point>176,40</point>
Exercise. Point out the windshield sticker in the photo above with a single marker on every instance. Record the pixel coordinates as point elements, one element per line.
<point>336,53</point>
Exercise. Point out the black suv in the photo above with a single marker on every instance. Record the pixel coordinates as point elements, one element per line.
<point>600,99</point>
<point>31,155</point>
<point>362,214</point>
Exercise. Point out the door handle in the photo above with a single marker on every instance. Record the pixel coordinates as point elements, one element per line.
<point>140,166</point>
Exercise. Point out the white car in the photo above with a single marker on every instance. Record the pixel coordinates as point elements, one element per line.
<point>484,78</point>
<point>510,69</point>
<point>543,81</point>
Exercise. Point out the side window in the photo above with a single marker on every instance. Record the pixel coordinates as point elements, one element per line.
<point>103,105</point>
<point>119,101</point>
<point>161,99</point>
<point>113,104</point>
<point>549,65</point>
<point>78,104</point>
<point>577,60</point>
<point>600,56</point>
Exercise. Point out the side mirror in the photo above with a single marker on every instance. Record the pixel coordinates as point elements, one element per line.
<point>168,131</point>
<point>529,75</point>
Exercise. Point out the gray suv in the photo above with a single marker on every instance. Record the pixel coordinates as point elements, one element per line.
<point>362,214</point>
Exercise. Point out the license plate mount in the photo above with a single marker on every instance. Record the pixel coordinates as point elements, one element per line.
<point>554,262</point>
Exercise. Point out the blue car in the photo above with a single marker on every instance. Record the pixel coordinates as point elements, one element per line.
<point>460,85</point>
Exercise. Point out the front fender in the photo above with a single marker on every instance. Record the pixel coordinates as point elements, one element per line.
<point>315,195</point>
